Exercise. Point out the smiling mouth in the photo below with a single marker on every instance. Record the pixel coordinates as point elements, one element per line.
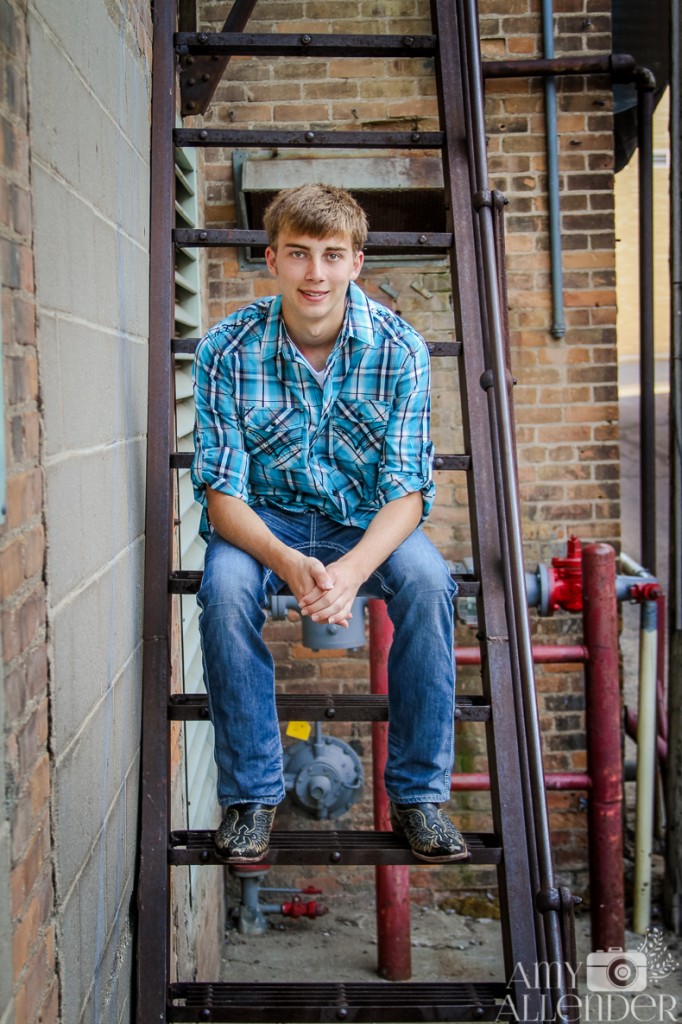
<point>313,295</point>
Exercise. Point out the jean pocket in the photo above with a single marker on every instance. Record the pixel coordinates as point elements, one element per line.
<point>274,435</point>
<point>359,430</point>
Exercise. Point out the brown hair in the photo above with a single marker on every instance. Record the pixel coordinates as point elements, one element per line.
<point>318,211</point>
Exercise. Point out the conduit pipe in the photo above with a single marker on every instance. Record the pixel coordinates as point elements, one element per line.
<point>604,758</point>
<point>557,277</point>
<point>468,782</point>
<point>394,952</point>
<point>646,84</point>
<point>646,769</point>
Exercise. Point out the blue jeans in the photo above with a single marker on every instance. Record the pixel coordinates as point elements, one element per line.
<point>239,671</point>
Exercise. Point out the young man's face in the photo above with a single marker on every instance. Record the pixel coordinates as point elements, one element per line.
<point>313,276</point>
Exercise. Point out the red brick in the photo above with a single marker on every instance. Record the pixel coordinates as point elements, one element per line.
<point>11,568</point>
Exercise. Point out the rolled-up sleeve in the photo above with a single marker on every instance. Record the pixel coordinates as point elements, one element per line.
<point>407,462</point>
<point>220,461</point>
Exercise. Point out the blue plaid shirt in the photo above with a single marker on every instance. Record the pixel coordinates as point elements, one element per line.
<point>268,433</point>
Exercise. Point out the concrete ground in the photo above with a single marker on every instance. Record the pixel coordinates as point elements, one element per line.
<point>342,945</point>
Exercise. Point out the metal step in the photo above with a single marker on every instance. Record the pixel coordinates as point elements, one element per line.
<point>459,462</point>
<point>268,139</point>
<point>188,346</point>
<point>297,44</point>
<point>376,240</point>
<point>331,1002</point>
<point>328,847</point>
<point>322,707</point>
<point>186,581</point>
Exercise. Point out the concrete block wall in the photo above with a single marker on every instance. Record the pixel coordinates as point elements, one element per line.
<point>74,222</point>
<point>566,396</point>
<point>28,984</point>
<point>89,70</point>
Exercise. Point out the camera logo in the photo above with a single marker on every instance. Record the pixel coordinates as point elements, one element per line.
<point>616,971</point>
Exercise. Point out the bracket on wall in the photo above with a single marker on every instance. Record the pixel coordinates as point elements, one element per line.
<point>199,76</point>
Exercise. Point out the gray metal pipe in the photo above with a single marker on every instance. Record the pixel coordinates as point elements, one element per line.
<point>647,411</point>
<point>553,191</point>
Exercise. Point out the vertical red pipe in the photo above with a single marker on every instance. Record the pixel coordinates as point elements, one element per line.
<point>392,882</point>
<point>604,756</point>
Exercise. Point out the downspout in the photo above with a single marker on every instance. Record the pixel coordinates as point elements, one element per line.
<point>646,83</point>
<point>557,277</point>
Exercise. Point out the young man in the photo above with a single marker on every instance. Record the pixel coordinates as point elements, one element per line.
<point>313,463</point>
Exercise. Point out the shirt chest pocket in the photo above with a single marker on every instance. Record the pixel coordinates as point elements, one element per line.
<point>359,429</point>
<point>273,435</point>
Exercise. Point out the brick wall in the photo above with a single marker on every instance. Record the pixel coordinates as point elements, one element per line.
<point>22,557</point>
<point>72,253</point>
<point>566,394</point>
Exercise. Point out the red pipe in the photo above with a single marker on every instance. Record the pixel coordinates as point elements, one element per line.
<point>542,654</point>
<point>394,950</point>
<point>604,760</point>
<point>474,781</point>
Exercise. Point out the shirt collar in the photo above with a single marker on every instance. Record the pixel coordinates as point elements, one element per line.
<point>357,323</point>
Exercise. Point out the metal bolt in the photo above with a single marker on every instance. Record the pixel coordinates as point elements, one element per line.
<point>189,60</point>
<point>203,857</point>
<point>409,41</point>
<point>335,857</point>
<point>309,136</point>
<point>479,1012</point>
<point>204,713</point>
<point>203,38</point>
<point>458,712</point>
<point>203,235</point>
<point>342,1013</point>
<point>203,134</point>
<point>306,40</point>
<point>330,713</point>
<point>416,136</point>
<point>205,1014</point>
<point>438,462</point>
<point>205,77</point>
<point>190,106</point>
<point>422,239</point>
<point>191,81</point>
<point>174,839</point>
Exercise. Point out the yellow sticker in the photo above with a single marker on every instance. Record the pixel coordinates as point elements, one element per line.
<point>299,730</point>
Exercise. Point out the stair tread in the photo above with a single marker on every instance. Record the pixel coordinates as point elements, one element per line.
<point>376,240</point>
<point>187,346</point>
<point>303,138</point>
<point>457,460</point>
<point>340,707</point>
<point>287,44</point>
<point>337,1001</point>
<point>186,581</point>
<point>327,846</point>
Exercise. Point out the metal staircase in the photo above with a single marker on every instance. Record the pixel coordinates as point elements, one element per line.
<point>536,915</point>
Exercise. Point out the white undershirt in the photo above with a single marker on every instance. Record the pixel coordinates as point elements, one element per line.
<point>317,374</point>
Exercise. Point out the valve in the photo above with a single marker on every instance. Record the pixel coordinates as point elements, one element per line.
<point>249,916</point>
<point>645,591</point>
<point>561,583</point>
<point>297,908</point>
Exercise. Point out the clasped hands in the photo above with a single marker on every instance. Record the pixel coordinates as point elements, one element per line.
<point>326,593</point>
